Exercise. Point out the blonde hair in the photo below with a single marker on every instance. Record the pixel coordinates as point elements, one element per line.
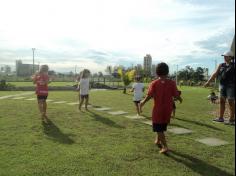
<point>43,69</point>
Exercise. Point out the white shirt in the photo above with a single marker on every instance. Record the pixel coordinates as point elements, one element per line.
<point>84,86</point>
<point>138,91</point>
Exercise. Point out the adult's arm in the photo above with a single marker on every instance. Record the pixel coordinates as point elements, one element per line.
<point>213,76</point>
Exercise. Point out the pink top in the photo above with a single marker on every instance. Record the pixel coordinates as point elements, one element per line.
<point>42,84</point>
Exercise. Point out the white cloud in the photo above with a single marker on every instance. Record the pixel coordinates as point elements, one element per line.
<point>165,29</point>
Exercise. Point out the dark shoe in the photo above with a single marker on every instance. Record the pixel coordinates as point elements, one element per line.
<point>219,119</point>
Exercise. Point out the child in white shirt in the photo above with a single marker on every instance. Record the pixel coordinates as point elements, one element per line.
<point>84,89</point>
<point>138,90</point>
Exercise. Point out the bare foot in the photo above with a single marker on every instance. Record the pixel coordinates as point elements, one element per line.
<point>158,143</point>
<point>45,118</point>
<point>164,150</point>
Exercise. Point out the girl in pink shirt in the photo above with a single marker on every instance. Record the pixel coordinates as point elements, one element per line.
<point>41,80</point>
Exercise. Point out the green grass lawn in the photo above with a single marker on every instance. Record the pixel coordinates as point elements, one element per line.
<point>97,144</point>
<point>26,84</point>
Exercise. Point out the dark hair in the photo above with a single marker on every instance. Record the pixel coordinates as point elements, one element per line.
<point>138,78</point>
<point>162,69</point>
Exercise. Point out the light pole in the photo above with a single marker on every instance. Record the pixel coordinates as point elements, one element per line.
<point>33,49</point>
<point>177,68</point>
<point>215,69</point>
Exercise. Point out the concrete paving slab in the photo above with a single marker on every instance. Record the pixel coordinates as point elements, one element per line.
<point>147,122</point>
<point>89,106</point>
<point>102,109</point>
<point>179,131</point>
<point>118,113</point>
<point>18,98</point>
<point>75,103</point>
<point>135,117</point>
<point>212,142</point>
<point>59,102</point>
<point>31,99</point>
<point>49,100</point>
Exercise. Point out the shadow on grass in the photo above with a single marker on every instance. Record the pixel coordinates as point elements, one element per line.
<point>104,120</point>
<point>196,165</point>
<point>177,125</point>
<point>200,124</point>
<point>52,131</point>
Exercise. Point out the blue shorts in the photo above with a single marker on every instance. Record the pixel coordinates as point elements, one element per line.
<point>227,92</point>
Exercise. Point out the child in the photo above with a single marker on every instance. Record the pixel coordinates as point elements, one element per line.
<point>162,90</point>
<point>78,84</point>
<point>41,79</point>
<point>84,89</point>
<point>174,106</point>
<point>213,97</point>
<point>138,89</point>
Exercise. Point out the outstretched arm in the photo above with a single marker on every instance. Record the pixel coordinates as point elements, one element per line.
<point>33,77</point>
<point>213,76</point>
<point>145,100</point>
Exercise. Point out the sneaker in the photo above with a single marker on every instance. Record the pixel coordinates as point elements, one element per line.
<point>230,122</point>
<point>219,119</point>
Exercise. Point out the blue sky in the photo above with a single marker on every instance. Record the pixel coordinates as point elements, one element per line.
<point>96,33</point>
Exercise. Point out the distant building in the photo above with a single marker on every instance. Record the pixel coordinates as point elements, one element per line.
<point>25,69</point>
<point>138,68</point>
<point>154,70</point>
<point>6,69</point>
<point>147,65</point>
<point>206,74</point>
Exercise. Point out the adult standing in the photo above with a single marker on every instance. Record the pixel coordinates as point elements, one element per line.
<point>226,75</point>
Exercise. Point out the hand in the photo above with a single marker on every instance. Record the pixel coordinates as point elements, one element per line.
<point>141,104</point>
<point>180,99</point>
<point>206,84</point>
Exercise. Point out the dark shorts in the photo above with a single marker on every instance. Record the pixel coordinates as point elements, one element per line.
<point>84,96</point>
<point>159,127</point>
<point>40,97</point>
<point>174,106</point>
<point>137,102</point>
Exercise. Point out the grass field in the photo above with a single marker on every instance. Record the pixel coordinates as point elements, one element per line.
<point>97,144</point>
<point>28,84</point>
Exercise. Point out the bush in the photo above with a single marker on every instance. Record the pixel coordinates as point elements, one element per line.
<point>6,86</point>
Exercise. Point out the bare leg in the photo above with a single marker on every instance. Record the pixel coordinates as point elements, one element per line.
<point>162,138</point>
<point>173,113</point>
<point>44,108</point>
<point>158,141</point>
<point>79,97</point>
<point>40,106</point>
<point>137,108</point>
<point>232,110</point>
<point>140,109</point>
<point>86,103</point>
<point>222,107</point>
<point>81,103</point>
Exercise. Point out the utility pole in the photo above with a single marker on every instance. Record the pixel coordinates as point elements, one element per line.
<point>177,68</point>
<point>215,69</point>
<point>33,49</point>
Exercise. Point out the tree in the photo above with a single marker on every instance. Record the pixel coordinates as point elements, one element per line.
<point>188,74</point>
<point>100,74</point>
<point>127,77</point>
